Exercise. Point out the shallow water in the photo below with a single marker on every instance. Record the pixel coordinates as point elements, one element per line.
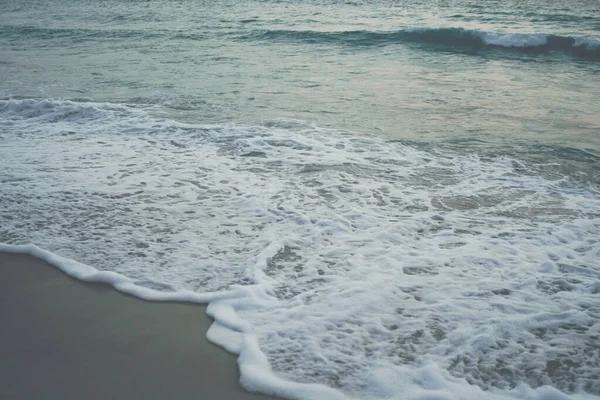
<point>411,192</point>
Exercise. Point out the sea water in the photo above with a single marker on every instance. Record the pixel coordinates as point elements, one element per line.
<point>379,199</point>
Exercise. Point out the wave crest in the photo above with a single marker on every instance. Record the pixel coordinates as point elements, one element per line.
<point>444,37</point>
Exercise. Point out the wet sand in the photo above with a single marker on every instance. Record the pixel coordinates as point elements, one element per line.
<point>64,339</point>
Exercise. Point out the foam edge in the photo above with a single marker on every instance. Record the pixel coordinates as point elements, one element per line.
<point>255,370</point>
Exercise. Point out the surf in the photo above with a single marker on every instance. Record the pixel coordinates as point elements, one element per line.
<point>446,38</point>
<point>434,267</point>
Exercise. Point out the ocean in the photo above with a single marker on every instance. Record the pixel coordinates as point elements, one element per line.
<point>387,199</point>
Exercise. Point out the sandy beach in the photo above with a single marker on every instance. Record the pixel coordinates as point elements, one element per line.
<point>64,339</point>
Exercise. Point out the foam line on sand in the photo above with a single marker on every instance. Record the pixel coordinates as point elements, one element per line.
<point>61,338</point>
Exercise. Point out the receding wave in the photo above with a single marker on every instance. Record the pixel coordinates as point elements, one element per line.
<point>443,37</point>
<point>443,274</point>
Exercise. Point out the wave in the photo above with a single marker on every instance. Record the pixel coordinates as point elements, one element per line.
<point>462,257</point>
<point>440,38</point>
<point>443,37</point>
<point>256,375</point>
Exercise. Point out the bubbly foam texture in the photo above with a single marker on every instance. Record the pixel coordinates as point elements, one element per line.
<point>509,40</point>
<point>336,266</point>
<point>513,39</point>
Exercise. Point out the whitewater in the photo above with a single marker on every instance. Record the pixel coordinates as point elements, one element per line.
<point>353,267</point>
<point>442,37</point>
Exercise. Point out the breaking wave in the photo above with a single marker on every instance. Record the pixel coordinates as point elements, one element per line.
<point>443,37</point>
<point>438,38</point>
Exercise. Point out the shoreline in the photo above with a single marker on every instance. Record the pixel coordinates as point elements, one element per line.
<point>64,338</point>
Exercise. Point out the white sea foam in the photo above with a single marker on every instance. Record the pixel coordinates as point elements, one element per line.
<point>507,39</point>
<point>256,374</point>
<point>514,39</point>
<point>356,267</point>
<point>587,43</point>
<point>535,40</point>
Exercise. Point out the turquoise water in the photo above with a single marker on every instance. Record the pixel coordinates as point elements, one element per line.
<point>407,192</point>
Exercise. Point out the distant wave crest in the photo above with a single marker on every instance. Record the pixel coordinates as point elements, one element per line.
<point>427,37</point>
<point>444,37</point>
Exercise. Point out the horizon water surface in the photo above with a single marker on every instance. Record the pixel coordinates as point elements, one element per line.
<point>378,199</point>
